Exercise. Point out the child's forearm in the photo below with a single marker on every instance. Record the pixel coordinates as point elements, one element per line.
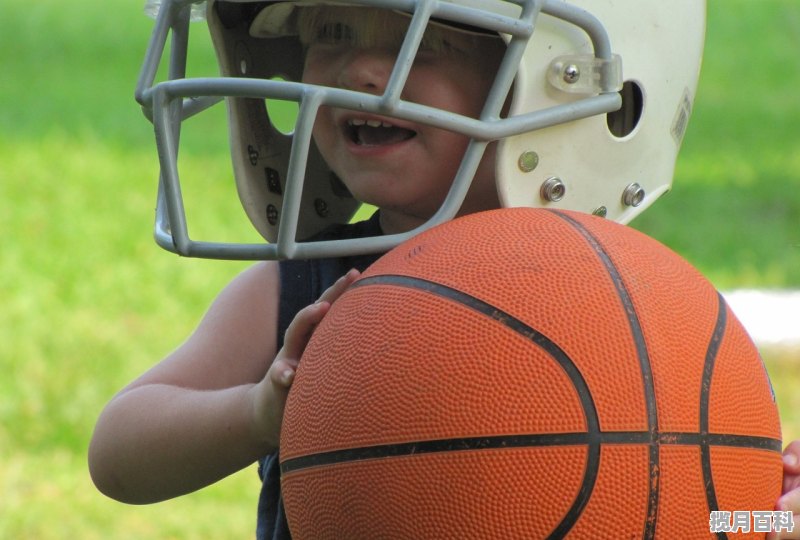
<point>156,441</point>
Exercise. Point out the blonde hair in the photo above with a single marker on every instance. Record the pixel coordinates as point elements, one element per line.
<point>378,28</point>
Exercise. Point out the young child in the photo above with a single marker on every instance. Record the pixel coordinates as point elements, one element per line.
<point>214,405</point>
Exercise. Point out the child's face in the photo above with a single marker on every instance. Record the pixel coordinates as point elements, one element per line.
<point>402,167</point>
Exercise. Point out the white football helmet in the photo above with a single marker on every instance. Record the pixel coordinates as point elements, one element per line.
<point>601,92</point>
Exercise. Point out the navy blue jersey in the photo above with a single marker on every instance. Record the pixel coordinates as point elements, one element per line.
<point>302,283</point>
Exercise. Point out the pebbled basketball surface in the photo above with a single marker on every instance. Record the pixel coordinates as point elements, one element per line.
<point>528,373</point>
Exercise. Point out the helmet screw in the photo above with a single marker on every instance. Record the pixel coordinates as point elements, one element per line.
<point>571,74</point>
<point>600,211</point>
<point>633,195</point>
<point>528,161</point>
<point>553,189</point>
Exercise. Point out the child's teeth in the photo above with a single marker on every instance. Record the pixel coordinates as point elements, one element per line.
<point>371,123</point>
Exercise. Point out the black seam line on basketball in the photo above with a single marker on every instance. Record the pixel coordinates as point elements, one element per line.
<point>681,438</point>
<point>654,486</point>
<point>707,440</point>
<point>705,392</point>
<point>347,455</point>
<point>546,344</point>
<point>434,446</point>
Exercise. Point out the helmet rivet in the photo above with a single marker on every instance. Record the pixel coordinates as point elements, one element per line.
<point>571,74</point>
<point>553,189</point>
<point>528,161</point>
<point>321,207</point>
<point>633,195</point>
<point>600,211</point>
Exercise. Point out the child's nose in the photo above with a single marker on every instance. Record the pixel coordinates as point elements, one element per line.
<point>366,70</point>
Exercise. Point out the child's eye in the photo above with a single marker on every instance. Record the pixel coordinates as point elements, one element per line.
<point>438,46</point>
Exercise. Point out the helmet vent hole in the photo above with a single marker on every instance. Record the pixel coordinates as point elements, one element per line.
<point>623,122</point>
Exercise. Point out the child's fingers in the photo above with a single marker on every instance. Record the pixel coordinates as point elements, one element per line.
<point>791,458</point>
<point>282,371</point>
<point>300,329</point>
<point>788,502</point>
<point>335,291</point>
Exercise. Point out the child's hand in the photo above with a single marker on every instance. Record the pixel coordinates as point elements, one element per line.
<point>271,392</point>
<point>790,498</point>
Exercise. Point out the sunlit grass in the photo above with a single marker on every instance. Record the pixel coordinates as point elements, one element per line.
<point>783,366</point>
<point>48,496</point>
<point>88,303</point>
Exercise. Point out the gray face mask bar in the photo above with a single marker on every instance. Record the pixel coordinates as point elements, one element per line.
<point>168,103</point>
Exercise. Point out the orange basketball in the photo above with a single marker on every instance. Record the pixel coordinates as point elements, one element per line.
<point>522,374</point>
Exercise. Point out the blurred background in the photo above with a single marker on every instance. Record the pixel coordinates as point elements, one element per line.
<point>89,301</point>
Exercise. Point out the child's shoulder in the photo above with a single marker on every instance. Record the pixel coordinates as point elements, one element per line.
<point>253,292</point>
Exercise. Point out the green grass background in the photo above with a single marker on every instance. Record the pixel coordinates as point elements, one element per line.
<point>89,301</point>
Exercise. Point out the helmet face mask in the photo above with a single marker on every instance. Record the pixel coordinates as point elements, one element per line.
<point>588,109</point>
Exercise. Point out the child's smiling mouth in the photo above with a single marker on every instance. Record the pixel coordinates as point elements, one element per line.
<point>374,132</point>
